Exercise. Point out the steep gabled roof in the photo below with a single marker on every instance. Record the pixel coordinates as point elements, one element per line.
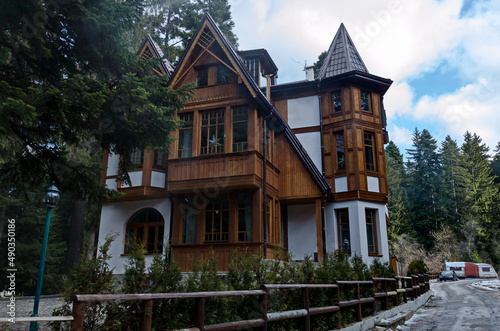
<point>342,56</point>
<point>150,49</point>
<point>267,107</point>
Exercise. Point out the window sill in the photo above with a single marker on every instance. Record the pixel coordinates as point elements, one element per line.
<point>375,255</point>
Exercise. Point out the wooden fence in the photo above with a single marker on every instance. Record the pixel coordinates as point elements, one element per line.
<point>384,293</point>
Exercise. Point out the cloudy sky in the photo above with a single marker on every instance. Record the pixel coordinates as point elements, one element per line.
<point>443,56</point>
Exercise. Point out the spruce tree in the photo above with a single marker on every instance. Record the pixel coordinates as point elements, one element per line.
<point>450,198</point>
<point>423,187</point>
<point>478,194</point>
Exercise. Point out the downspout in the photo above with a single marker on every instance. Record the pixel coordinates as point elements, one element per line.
<point>171,228</point>
<point>264,181</point>
<point>323,230</point>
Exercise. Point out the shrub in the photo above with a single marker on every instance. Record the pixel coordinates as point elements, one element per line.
<point>417,267</point>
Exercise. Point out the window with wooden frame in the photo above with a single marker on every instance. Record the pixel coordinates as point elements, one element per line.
<point>337,101</point>
<point>189,219</point>
<point>202,77</point>
<point>212,131</point>
<point>137,157</point>
<point>240,128</point>
<point>185,148</point>
<point>339,151</point>
<point>344,234</point>
<point>245,203</point>
<point>217,220</point>
<point>365,101</point>
<point>158,159</point>
<point>146,228</point>
<point>371,231</point>
<point>369,143</point>
<point>222,75</point>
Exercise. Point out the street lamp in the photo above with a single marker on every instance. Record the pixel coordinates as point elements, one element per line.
<point>345,245</point>
<point>51,199</point>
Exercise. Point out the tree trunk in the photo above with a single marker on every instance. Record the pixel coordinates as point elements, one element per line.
<point>75,234</point>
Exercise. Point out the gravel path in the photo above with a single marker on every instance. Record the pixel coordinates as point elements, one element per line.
<point>24,307</point>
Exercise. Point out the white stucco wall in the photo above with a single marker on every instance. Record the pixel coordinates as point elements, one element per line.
<point>114,217</point>
<point>113,160</point>
<point>357,227</point>
<point>158,179</point>
<point>373,184</point>
<point>302,231</point>
<point>303,112</point>
<point>135,179</point>
<point>311,141</point>
<point>341,184</point>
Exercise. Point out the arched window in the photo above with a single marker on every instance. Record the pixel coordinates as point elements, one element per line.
<point>146,226</point>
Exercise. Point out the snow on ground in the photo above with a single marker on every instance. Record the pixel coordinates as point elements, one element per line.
<point>493,285</point>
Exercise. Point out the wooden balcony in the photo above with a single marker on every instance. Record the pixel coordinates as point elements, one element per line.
<point>187,255</point>
<point>225,171</point>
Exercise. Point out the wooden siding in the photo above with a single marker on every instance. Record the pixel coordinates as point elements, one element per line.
<point>295,180</point>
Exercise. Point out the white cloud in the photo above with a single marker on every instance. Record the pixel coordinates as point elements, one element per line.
<point>397,39</point>
<point>400,135</point>
<point>398,100</point>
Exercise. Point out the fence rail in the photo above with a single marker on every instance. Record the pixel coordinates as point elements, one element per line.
<point>386,291</point>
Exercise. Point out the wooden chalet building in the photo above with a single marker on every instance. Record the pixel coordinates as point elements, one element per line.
<point>258,167</point>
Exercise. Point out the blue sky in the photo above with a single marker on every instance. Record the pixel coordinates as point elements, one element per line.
<point>443,56</point>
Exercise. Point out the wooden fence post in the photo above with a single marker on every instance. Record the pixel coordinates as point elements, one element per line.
<point>200,313</point>
<point>78,315</point>
<point>147,318</point>
<point>358,294</point>
<point>264,304</point>
<point>307,319</point>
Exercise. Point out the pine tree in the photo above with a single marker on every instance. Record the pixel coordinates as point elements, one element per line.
<point>495,164</point>
<point>423,187</point>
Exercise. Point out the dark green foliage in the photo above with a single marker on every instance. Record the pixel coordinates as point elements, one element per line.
<point>90,276</point>
<point>416,267</point>
<point>29,215</point>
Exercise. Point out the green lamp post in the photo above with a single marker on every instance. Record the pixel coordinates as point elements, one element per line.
<point>51,199</point>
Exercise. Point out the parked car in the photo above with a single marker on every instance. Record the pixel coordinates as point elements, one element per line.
<point>448,275</point>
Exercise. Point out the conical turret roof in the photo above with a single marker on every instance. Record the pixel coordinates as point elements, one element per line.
<point>342,56</point>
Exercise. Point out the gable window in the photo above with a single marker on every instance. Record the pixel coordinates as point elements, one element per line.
<point>137,156</point>
<point>145,227</point>
<point>212,131</point>
<point>365,101</point>
<point>344,234</point>
<point>202,77</point>
<point>222,75</point>
<point>240,129</point>
<point>270,145</point>
<point>337,102</point>
<point>369,151</point>
<point>371,231</point>
<point>340,151</point>
<point>244,217</point>
<point>217,220</point>
<point>186,135</point>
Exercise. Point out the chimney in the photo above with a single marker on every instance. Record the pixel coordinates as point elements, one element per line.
<point>309,72</point>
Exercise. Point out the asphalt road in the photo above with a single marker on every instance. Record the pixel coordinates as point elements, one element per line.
<point>457,306</point>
